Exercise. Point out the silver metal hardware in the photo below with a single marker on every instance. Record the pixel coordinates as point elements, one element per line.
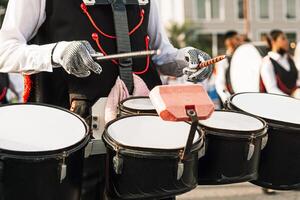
<point>180,170</point>
<point>251,149</point>
<point>118,162</point>
<point>63,168</point>
<point>264,141</point>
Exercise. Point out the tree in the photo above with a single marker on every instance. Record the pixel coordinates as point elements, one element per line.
<point>188,35</point>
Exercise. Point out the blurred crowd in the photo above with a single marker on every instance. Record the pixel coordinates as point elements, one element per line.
<point>265,66</point>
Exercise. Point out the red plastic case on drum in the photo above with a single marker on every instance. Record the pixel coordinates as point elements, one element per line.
<point>172,102</point>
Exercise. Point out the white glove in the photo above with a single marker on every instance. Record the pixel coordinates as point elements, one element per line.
<point>75,58</point>
<point>192,58</point>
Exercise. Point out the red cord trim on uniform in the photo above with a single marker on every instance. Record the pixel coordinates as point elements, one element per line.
<point>96,39</point>
<point>86,12</point>
<point>27,88</point>
<point>3,94</point>
<point>142,15</point>
<point>147,42</point>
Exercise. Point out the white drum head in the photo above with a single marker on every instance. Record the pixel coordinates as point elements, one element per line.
<point>232,121</point>
<point>139,104</point>
<point>245,69</point>
<point>36,128</point>
<point>268,106</point>
<point>150,132</point>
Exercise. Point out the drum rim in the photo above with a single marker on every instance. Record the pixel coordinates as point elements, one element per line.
<point>271,122</point>
<point>132,110</point>
<point>142,150</point>
<point>29,155</point>
<point>233,133</point>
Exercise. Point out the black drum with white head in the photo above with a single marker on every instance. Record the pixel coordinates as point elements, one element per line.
<point>144,158</point>
<point>136,105</point>
<point>280,160</point>
<point>245,67</point>
<point>41,153</point>
<point>233,146</point>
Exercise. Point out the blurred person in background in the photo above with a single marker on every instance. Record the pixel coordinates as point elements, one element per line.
<point>223,85</point>
<point>4,85</point>
<point>279,74</point>
<point>297,60</point>
<point>8,90</point>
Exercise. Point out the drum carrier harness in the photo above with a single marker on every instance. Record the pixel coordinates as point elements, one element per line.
<point>122,37</point>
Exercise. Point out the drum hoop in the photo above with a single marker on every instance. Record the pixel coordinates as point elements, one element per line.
<point>233,133</point>
<point>23,155</point>
<point>271,122</point>
<point>132,110</point>
<point>112,143</point>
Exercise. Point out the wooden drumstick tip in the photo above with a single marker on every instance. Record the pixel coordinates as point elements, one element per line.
<point>212,61</point>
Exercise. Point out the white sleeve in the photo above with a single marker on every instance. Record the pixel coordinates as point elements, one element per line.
<point>170,61</point>
<point>22,20</point>
<point>221,80</point>
<point>269,77</point>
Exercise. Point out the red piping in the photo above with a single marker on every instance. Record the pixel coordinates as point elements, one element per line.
<point>96,39</point>
<point>86,12</point>
<point>147,42</point>
<point>27,88</point>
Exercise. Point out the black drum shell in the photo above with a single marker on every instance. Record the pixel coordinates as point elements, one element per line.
<point>279,166</point>
<point>38,179</point>
<point>280,160</point>
<point>226,162</point>
<point>124,111</point>
<point>149,173</point>
<point>36,175</point>
<point>144,177</point>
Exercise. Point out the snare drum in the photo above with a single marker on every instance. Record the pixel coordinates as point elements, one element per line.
<point>136,105</point>
<point>280,160</point>
<point>233,146</point>
<point>144,158</point>
<point>41,152</point>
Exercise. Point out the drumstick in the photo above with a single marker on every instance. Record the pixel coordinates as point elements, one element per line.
<point>137,54</point>
<point>211,61</point>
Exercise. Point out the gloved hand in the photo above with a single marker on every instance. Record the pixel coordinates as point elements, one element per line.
<point>75,58</point>
<point>193,57</point>
<point>296,94</point>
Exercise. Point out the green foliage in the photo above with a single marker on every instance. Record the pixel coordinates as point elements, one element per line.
<point>187,35</point>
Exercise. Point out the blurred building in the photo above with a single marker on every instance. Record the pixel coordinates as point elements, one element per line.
<point>171,11</point>
<point>215,17</point>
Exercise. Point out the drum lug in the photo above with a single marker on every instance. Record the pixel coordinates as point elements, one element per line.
<point>63,168</point>
<point>264,141</point>
<point>118,162</point>
<point>202,152</point>
<point>180,170</point>
<point>251,149</point>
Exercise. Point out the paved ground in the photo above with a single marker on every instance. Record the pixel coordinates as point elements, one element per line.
<point>243,191</point>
